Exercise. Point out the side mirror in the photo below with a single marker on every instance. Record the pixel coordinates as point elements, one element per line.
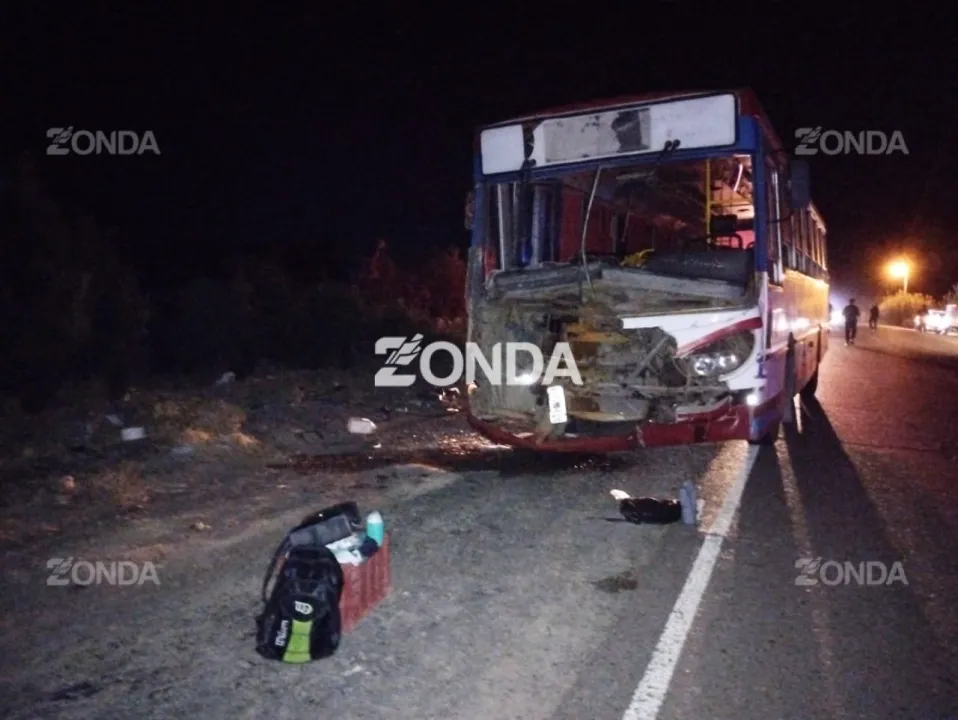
<point>799,184</point>
<point>470,208</point>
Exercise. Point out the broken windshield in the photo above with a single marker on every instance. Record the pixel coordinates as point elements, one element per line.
<point>701,204</point>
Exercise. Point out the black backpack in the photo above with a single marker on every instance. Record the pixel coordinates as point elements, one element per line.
<point>301,621</point>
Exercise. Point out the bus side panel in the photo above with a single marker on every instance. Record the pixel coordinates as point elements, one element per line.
<point>776,340</point>
<point>806,300</point>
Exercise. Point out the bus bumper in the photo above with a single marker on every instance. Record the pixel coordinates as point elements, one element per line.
<point>730,422</point>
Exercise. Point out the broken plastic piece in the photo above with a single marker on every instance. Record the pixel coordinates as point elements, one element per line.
<point>132,433</point>
<point>647,511</point>
<point>361,426</point>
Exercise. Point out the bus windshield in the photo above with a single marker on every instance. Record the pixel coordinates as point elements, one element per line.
<point>617,214</point>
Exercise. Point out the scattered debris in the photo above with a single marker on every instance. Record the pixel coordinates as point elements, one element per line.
<point>226,378</point>
<point>353,670</point>
<point>122,453</point>
<point>652,511</point>
<point>76,691</point>
<point>361,426</point>
<point>626,580</point>
<point>132,433</point>
<point>68,484</point>
<point>689,503</point>
<point>200,525</point>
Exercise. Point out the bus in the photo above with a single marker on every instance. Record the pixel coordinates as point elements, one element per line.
<point>669,242</point>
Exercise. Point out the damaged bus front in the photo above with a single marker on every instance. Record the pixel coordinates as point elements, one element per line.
<point>637,234</point>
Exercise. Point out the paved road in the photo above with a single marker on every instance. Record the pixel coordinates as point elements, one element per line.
<point>515,598</point>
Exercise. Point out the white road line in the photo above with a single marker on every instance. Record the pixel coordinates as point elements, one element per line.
<point>649,696</point>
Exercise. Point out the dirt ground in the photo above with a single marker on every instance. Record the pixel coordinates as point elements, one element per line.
<point>494,554</point>
<point>68,474</point>
<point>217,466</point>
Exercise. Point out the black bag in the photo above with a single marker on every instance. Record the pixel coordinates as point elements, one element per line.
<point>301,620</point>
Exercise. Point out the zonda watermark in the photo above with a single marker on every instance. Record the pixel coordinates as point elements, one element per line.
<point>63,141</point>
<point>69,571</point>
<point>403,351</point>
<point>813,571</point>
<point>835,142</point>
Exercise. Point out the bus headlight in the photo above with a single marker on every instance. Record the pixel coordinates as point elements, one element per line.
<point>722,356</point>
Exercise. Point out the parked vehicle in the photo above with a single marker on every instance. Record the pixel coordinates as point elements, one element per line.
<point>941,322</point>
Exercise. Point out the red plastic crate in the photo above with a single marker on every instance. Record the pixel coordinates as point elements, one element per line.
<point>365,586</point>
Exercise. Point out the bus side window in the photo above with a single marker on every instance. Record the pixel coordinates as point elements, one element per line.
<point>785,230</point>
<point>773,225</point>
<point>819,245</point>
<point>813,246</point>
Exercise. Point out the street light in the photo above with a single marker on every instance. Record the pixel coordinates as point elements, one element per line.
<point>900,269</point>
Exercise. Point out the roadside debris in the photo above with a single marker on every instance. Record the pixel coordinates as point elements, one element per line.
<point>76,691</point>
<point>200,526</point>
<point>226,378</point>
<point>361,426</point>
<point>657,511</point>
<point>689,503</point>
<point>132,433</point>
<point>327,574</point>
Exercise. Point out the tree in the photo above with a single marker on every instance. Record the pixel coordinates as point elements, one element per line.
<point>901,308</point>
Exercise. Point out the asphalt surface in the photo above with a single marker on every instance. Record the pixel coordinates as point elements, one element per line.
<point>515,597</point>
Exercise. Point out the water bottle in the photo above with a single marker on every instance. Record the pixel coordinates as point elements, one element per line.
<point>375,528</point>
<point>688,502</point>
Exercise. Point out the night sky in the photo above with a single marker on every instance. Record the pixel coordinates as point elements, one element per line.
<point>304,137</point>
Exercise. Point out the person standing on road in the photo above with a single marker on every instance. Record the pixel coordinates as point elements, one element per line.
<point>851,313</point>
<point>873,317</point>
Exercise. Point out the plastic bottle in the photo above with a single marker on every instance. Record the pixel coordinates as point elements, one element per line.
<point>689,503</point>
<point>375,527</point>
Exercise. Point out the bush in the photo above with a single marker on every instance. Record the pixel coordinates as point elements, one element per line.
<point>88,316</point>
<point>201,329</point>
<point>901,308</point>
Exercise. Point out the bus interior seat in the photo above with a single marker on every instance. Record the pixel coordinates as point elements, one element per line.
<point>732,265</point>
<point>720,255</point>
